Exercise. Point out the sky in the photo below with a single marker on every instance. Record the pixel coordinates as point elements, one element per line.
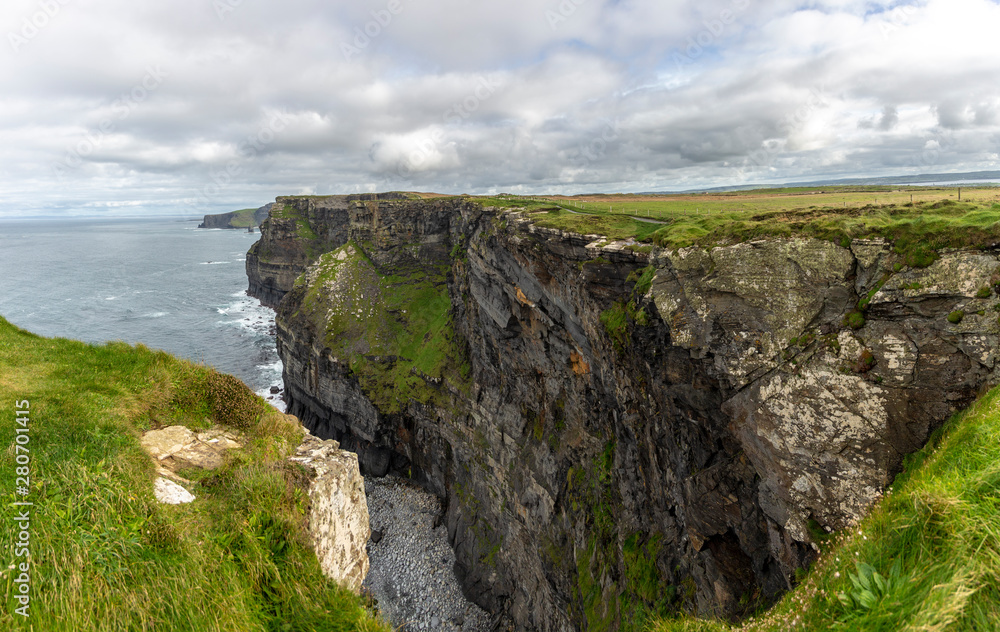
<point>201,106</point>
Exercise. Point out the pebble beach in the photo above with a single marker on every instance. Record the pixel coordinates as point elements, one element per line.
<point>412,573</point>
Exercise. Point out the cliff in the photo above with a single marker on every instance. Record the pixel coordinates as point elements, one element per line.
<point>112,432</point>
<point>619,429</point>
<point>245,218</point>
<point>289,241</point>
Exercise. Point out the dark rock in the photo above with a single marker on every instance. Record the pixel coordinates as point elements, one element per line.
<point>275,389</point>
<point>224,220</point>
<point>376,536</point>
<point>705,439</point>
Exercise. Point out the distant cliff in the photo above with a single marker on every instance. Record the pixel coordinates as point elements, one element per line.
<point>245,218</point>
<point>619,429</point>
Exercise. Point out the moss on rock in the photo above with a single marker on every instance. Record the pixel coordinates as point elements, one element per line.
<point>393,330</point>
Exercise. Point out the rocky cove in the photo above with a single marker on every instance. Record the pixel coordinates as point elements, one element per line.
<point>616,429</point>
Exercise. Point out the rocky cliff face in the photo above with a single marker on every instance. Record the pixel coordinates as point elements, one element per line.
<point>618,429</point>
<point>237,219</point>
<point>295,232</point>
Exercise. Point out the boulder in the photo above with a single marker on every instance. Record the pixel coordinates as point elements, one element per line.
<point>170,493</point>
<point>338,513</point>
<point>177,447</point>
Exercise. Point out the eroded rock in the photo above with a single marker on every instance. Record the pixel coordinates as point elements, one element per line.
<point>338,512</point>
<point>745,302</point>
<point>708,437</point>
<point>178,447</point>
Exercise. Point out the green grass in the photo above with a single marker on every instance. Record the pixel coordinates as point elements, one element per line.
<point>612,226</point>
<point>940,522</point>
<point>394,330</point>
<point>618,318</point>
<point>302,225</point>
<point>243,218</point>
<point>855,320</point>
<point>104,554</point>
<point>934,220</point>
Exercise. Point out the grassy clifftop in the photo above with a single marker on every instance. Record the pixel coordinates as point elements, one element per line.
<point>105,555</point>
<point>918,221</point>
<point>926,558</point>
<point>244,218</point>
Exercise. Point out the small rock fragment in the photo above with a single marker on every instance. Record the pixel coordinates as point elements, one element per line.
<point>170,493</point>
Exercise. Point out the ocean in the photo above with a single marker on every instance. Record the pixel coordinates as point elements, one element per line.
<point>161,282</point>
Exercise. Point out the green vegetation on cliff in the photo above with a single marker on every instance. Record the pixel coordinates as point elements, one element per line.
<point>244,218</point>
<point>105,555</point>
<point>617,319</point>
<point>936,219</point>
<point>938,525</point>
<point>288,211</point>
<point>394,330</point>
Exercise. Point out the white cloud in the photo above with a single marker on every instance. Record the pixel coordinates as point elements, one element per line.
<point>458,97</point>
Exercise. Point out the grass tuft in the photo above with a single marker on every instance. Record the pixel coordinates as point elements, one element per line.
<point>855,320</point>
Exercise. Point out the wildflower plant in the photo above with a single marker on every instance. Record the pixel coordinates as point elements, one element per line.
<point>870,587</point>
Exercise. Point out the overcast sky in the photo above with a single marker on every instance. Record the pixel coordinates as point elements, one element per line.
<point>194,106</point>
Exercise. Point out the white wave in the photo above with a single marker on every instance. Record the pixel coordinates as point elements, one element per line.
<point>155,315</point>
<point>214,263</point>
<point>110,298</point>
<point>239,294</point>
<point>273,373</point>
<point>249,314</point>
<point>276,367</point>
<point>272,399</point>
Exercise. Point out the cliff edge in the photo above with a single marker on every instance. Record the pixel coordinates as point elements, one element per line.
<point>619,429</point>
<point>246,218</point>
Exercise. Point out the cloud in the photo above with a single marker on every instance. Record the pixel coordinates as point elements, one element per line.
<point>888,120</point>
<point>257,100</point>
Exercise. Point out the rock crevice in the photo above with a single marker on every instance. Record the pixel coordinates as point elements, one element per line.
<point>612,430</point>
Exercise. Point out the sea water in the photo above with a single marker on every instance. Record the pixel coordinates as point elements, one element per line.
<point>161,282</point>
<point>172,286</point>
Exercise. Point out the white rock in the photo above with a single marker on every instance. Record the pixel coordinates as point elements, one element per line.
<point>170,493</point>
<point>338,516</point>
<point>166,442</point>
